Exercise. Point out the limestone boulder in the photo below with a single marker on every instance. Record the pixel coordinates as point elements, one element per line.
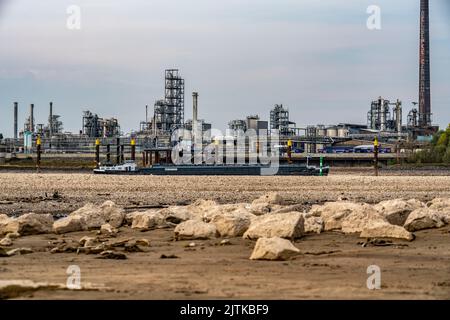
<point>113,214</point>
<point>348,216</point>
<point>70,223</point>
<point>284,225</point>
<point>91,217</point>
<point>28,224</point>
<point>195,229</point>
<point>148,220</point>
<point>397,211</point>
<point>274,248</point>
<point>313,224</point>
<point>383,229</point>
<point>424,218</point>
<point>442,205</point>
<point>4,221</point>
<point>270,202</point>
<point>232,224</point>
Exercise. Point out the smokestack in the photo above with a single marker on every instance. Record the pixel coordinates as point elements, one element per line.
<point>146,115</point>
<point>424,66</point>
<point>16,107</point>
<point>194,111</point>
<point>31,128</point>
<point>50,119</point>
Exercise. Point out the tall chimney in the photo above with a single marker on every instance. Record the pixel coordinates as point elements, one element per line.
<point>424,66</point>
<point>194,111</point>
<point>50,119</point>
<point>16,107</point>
<point>146,115</point>
<point>31,118</point>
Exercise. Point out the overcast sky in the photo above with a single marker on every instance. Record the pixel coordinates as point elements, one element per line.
<point>243,56</point>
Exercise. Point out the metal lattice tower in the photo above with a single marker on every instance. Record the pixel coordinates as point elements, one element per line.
<point>174,99</point>
<point>279,120</point>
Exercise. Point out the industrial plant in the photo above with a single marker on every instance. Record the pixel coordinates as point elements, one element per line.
<point>385,121</point>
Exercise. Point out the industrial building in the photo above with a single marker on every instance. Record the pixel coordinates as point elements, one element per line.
<point>384,117</point>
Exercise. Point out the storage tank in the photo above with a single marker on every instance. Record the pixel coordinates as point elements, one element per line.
<point>321,131</point>
<point>332,132</point>
<point>342,132</point>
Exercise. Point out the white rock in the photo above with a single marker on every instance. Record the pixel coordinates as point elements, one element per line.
<point>383,229</point>
<point>87,241</point>
<point>12,235</point>
<point>349,216</point>
<point>19,251</point>
<point>70,223</point>
<point>313,224</point>
<point>90,217</point>
<point>30,223</point>
<point>283,225</point>
<point>114,215</point>
<point>274,248</point>
<point>442,205</point>
<point>397,211</point>
<point>147,220</point>
<point>108,229</point>
<point>232,224</point>
<point>6,242</point>
<point>423,218</point>
<point>267,203</point>
<point>4,221</point>
<point>194,229</point>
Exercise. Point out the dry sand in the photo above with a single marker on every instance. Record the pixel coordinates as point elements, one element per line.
<point>332,265</point>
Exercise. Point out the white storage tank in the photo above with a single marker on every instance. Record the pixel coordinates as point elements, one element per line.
<point>342,132</point>
<point>332,132</point>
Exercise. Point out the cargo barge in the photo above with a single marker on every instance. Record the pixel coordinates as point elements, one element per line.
<point>214,170</point>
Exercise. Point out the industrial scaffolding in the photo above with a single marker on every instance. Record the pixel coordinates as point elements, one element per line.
<point>96,127</point>
<point>380,116</point>
<point>279,120</point>
<point>169,112</point>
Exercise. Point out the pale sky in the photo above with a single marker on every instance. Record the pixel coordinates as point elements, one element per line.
<point>243,56</point>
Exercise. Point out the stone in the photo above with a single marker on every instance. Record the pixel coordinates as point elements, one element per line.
<point>397,211</point>
<point>423,218</point>
<point>90,217</point>
<point>6,242</point>
<point>143,242</point>
<point>443,206</point>
<point>19,251</point>
<point>4,221</point>
<point>70,223</point>
<point>313,224</point>
<point>270,202</point>
<point>109,254</point>
<point>274,248</point>
<point>283,225</point>
<point>225,242</point>
<point>347,216</point>
<point>12,235</point>
<point>88,241</point>
<point>383,229</point>
<point>29,224</point>
<point>232,224</point>
<point>194,229</point>
<point>108,229</point>
<point>147,220</point>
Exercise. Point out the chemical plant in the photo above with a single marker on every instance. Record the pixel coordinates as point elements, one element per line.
<point>385,121</point>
